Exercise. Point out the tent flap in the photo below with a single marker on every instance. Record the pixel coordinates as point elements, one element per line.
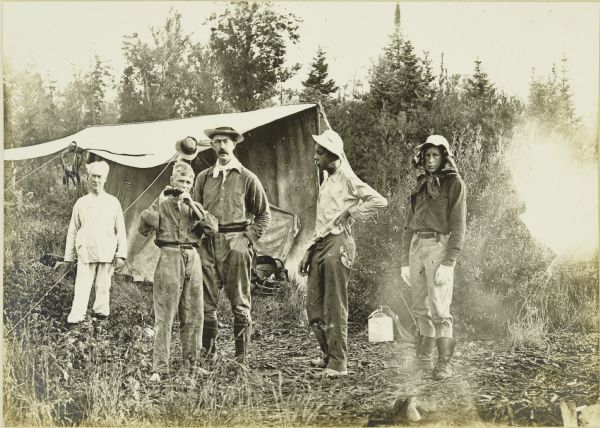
<point>148,144</point>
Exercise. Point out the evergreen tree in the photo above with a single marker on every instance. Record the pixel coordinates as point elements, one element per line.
<point>384,76</point>
<point>397,19</point>
<point>402,84</point>
<point>480,96</point>
<point>550,101</point>
<point>317,82</point>
<point>488,109</point>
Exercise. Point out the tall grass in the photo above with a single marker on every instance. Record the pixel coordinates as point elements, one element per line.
<point>529,329</point>
<point>43,389</point>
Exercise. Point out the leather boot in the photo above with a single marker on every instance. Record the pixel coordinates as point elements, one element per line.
<point>424,347</point>
<point>241,333</point>
<point>445,346</point>
<point>209,337</point>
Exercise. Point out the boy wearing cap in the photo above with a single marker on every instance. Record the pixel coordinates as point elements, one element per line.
<point>179,224</point>
<point>97,239</point>
<point>343,198</point>
<point>235,196</point>
<point>432,240</point>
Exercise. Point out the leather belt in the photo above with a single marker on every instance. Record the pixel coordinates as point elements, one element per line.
<point>226,229</point>
<point>184,246</point>
<point>429,234</point>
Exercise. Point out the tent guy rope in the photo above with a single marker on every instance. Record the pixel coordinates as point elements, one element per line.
<point>72,267</point>
<point>40,300</point>
<point>35,170</point>
<point>150,185</point>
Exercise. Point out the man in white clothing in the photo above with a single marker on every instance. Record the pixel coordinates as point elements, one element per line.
<point>97,239</point>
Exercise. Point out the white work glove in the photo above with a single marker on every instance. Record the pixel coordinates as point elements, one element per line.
<point>405,274</point>
<point>444,275</point>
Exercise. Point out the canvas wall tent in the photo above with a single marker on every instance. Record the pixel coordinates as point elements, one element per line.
<point>278,148</point>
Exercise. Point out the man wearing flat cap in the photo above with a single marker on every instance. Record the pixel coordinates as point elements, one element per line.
<point>235,196</point>
<point>97,239</point>
<point>432,240</point>
<point>343,198</point>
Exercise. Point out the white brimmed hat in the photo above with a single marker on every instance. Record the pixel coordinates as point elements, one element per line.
<point>187,148</point>
<point>225,130</point>
<point>437,141</point>
<point>331,141</point>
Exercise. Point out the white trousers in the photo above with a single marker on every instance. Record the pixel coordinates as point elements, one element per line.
<point>86,274</point>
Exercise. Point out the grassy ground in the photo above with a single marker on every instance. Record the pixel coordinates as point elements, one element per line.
<point>98,375</point>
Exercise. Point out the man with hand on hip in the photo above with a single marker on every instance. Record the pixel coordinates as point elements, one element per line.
<point>235,196</point>
<point>432,240</point>
<point>343,198</point>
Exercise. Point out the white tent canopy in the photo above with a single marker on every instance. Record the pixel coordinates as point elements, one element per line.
<point>148,144</point>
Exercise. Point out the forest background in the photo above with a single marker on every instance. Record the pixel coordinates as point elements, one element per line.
<point>529,266</point>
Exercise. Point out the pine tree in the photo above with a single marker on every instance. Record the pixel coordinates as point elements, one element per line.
<point>384,76</point>
<point>401,81</point>
<point>565,100</point>
<point>397,19</point>
<point>479,87</point>
<point>489,110</point>
<point>317,82</point>
<point>551,101</point>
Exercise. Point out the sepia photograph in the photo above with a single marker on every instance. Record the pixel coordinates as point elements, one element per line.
<point>300,213</point>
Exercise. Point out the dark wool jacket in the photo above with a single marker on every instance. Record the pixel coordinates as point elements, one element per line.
<point>447,215</point>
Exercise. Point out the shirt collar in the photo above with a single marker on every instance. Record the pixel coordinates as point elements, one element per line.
<point>333,177</point>
<point>234,163</point>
